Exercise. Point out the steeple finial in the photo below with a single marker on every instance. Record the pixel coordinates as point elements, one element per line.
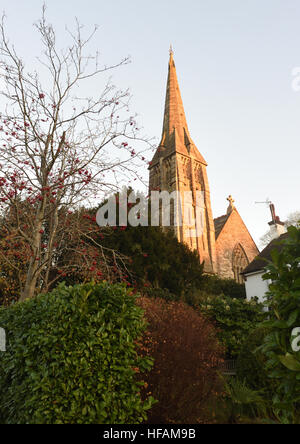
<point>231,206</point>
<point>171,52</point>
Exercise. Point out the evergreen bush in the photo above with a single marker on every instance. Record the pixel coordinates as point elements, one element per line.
<point>71,357</point>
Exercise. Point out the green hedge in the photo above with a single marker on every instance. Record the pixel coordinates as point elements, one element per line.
<point>71,358</point>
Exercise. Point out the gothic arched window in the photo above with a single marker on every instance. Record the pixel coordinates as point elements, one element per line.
<point>239,262</point>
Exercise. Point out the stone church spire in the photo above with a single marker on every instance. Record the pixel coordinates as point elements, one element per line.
<point>174,116</point>
<point>175,133</point>
<point>177,165</point>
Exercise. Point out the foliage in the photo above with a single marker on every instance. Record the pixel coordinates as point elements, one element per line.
<point>283,301</point>
<point>243,403</point>
<point>186,358</point>
<point>8,292</point>
<point>92,261</point>
<point>251,364</point>
<point>72,357</point>
<point>153,260</point>
<point>162,293</point>
<point>234,318</point>
<point>213,284</point>
<point>157,260</point>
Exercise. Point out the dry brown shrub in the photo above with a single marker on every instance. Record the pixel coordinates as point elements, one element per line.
<point>187,355</point>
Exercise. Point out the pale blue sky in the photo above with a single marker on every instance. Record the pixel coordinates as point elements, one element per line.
<point>234,60</point>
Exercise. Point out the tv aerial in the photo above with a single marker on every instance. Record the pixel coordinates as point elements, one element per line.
<point>266,202</point>
<point>272,208</point>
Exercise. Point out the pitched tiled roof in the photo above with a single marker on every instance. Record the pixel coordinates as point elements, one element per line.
<point>219,223</point>
<point>260,261</point>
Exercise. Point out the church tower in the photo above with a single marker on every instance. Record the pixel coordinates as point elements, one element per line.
<point>177,165</point>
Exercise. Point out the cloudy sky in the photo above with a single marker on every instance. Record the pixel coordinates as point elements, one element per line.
<point>234,61</point>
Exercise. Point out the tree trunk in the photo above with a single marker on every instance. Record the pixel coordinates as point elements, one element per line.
<point>30,286</point>
<point>33,273</point>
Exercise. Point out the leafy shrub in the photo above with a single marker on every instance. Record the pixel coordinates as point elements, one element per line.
<point>283,301</point>
<point>213,284</point>
<point>234,319</point>
<point>71,357</point>
<point>251,364</point>
<point>186,358</point>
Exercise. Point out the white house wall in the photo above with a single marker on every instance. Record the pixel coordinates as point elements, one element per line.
<point>256,286</point>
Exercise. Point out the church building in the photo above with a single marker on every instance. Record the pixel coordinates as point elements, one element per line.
<point>224,244</point>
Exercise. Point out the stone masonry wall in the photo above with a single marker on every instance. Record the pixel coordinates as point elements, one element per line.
<point>234,232</point>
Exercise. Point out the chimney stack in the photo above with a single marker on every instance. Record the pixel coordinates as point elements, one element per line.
<point>277,228</point>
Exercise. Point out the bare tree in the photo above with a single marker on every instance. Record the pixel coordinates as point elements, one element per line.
<point>57,149</point>
<point>293,219</point>
<point>266,239</point>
